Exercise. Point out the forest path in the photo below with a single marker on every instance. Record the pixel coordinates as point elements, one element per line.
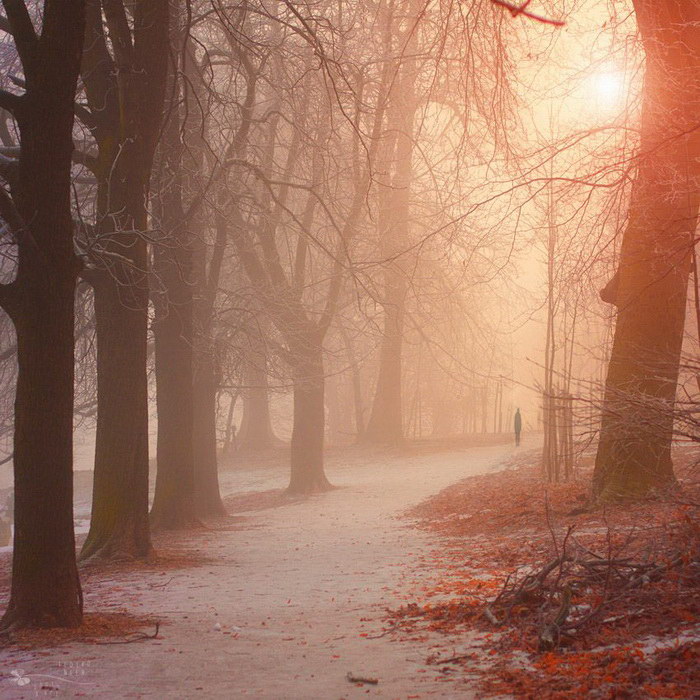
<point>294,589</point>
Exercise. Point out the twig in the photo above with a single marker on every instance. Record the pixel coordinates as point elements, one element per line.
<point>491,616</point>
<point>516,10</point>
<point>161,585</point>
<point>136,638</point>
<point>383,634</point>
<point>549,636</point>
<point>455,659</point>
<point>360,679</point>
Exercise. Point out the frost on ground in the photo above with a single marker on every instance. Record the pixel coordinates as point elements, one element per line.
<point>282,599</point>
<point>566,600</point>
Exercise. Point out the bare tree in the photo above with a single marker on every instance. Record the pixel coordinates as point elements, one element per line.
<point>40,301</point>
<point>124,68</point>
<point>650,286</point>
<point>173,297</point>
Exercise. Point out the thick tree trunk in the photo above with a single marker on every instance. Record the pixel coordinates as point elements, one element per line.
<point>206,488</point>
<point>340,423</point>
<point>206,375</point>
<point>45,586</point>
<point>173,503</point>
<point>119,524</point>
<point>386,420</point>
<point>173,301</point>
<point>126,103</point>
<point>45,589</point>
<point>634,452</point>
<point>356,385</point>
<point>308,475</point>
<point>256,432</point>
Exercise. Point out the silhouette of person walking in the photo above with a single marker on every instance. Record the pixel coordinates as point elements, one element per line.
<point>518,426</point>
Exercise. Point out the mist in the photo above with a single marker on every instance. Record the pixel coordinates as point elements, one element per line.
<point>349,348</point>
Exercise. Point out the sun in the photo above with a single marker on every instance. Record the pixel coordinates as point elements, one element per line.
<point>608,88</point>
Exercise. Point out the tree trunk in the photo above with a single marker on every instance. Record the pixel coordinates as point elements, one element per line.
<point>206,486</point>
<point>126,103</point>
<point>173,301</point>
<point>308,474</point>
<point>386,420</point>
<point>634,452</point>
<point>45,585</point>
<point>229,444</point>
<point>45,589</point>
<point>119,524</point>
<point>256,432</point>
<point>356,385</point>
<point>206,374</point>
<point>173,502</point>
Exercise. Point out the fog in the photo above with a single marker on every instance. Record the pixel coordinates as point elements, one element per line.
<point>349,348</point>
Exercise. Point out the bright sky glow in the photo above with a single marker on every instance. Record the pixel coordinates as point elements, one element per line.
<point>608,88</point>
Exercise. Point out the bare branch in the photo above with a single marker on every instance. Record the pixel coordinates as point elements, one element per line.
<point>516,10</point>
<point>10,101</point>
<point>22,29</point>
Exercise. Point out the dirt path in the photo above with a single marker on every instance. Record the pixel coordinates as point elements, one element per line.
<point>298,591</point>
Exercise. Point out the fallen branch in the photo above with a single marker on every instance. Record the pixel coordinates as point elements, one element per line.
<point>360,679</point>
<point>455,659</point>
<point>491,616</point>
<point>551,633</point>
<point>382,634</point>
<point>140,637</point>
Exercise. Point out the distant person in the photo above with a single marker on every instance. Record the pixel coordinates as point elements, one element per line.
<point>518,426</point>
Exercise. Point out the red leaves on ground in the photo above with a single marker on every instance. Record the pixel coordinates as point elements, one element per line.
<point>630,624</point>
<point>95,626</point>
<point>625,672</point>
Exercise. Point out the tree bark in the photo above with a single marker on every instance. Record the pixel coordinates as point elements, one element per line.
<point>359,411</point>
<point>307,472</point>
<point>45,589</point>
<point>386,420</point>
<point>206,374</point>
<point>126,95</point>
<point>119,523</point>
<point>206,488</point>
<point>45,586</point>
<point>385,424</point>
<point>173,300</point>
<point>173,503</point>
<point>256,432</point>
<point>634,452</point>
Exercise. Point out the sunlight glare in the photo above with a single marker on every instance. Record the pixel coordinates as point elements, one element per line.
<point>608,88</point>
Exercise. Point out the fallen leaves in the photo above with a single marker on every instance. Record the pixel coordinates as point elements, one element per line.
<point>537,570</point>
<point>95,627</point>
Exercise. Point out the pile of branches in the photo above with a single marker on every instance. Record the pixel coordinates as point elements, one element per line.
<point>579,589</point>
